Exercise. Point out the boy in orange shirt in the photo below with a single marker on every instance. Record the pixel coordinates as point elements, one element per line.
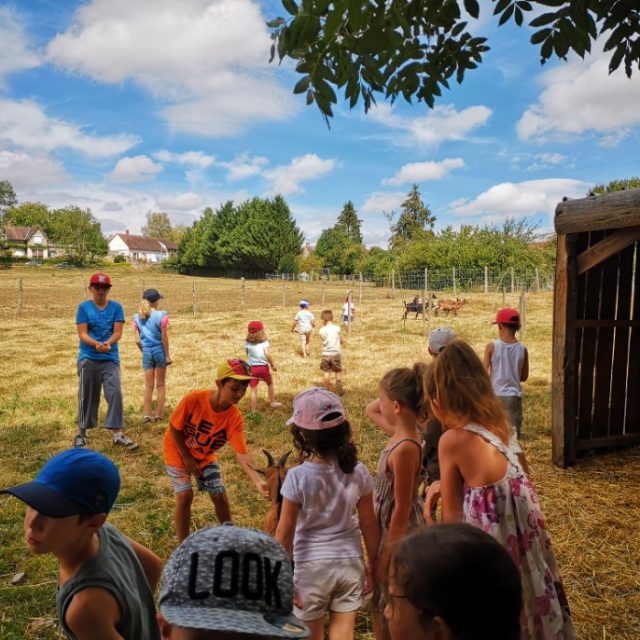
<point>201,424</point>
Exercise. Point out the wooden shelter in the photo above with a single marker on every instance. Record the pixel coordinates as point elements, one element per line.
<point>596,326</point>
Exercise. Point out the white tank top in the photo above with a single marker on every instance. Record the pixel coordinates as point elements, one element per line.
<point>506,364</point>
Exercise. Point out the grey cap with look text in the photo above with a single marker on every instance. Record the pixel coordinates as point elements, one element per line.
<point>231,579</point>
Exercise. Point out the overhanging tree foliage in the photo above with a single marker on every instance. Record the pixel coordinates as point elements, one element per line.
<point>412,48</point>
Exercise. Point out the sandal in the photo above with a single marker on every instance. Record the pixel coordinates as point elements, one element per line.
<point>147,419</point>
<point>80,441</point>
<point>125,441</point>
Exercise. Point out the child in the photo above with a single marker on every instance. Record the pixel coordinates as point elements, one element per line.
<point>452,581</point>
<point>331,345</point>
<point>399,471</point>
<point>257,348</point>
<point>483,483</point>
<point>346,307</point>
<point>105,580</point>
<point>320,500</point>
<point>150,326</point>
<point>194,605</point>
<point>305,321</point>
<point>507,361</point>
<point>201,424</point>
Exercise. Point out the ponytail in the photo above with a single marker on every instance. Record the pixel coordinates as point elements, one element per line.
<point>336,442</point>
<point>405,386</point>
<point>145,309</point>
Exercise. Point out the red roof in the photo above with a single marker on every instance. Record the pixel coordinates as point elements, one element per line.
<point>21,234</point>
<point>142,243</point>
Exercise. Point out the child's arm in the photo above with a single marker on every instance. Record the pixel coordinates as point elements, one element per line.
<point>370,529</point>
<point>248,465</point>
<point>164,336</point>
<point>136,331</point>
<point>151,564</point>
<point>269,358</point>
<point>190,463</point>
<point>287,524</point>
<point>402,463</point>
<point>524,372</point>
<point>451,480</point>
<point>372,411</point>
<point>93,614</point>
<point>486,358</point>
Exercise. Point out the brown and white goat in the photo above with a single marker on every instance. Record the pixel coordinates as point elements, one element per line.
<point>274,474</point>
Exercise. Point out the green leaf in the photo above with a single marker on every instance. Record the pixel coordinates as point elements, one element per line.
<point>472,8</point>
<point>545,18</point>
<point>309,96</point>
<point>506,15</point>
<point>616,58</point>
<point>518,16</point>
<point>501,6</point>
<point>541,35</point>
<point>290,6</point>
<point>302,85</point>
<point>277,22</point>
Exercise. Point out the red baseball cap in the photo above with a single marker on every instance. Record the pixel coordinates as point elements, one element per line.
<point>100,278</point>
<point>255,325</point>
<point>507,316</point>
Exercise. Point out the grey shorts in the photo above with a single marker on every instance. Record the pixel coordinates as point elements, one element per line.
<point>331,363</point>
<point>513,407</point>
<point>210,481</point>
<point>331,584</point>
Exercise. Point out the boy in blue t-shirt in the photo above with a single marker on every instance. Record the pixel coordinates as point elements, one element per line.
<point>100,322</point>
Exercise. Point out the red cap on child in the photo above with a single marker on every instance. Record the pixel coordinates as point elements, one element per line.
<point>507,316</point>
<point>255,325</point>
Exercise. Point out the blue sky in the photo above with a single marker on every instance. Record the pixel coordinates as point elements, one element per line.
<point>130,106</point>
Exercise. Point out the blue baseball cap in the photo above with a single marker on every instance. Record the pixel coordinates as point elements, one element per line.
<point>74,482</point>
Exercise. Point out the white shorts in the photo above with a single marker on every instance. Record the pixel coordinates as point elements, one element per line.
<point>333,584</point>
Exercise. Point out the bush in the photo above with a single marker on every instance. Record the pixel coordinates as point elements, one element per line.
<point>119,259</point>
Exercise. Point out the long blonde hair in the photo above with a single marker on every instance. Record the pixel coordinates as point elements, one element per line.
<point>459,382</point>
<point>145,308</point>
<point>404,386</point>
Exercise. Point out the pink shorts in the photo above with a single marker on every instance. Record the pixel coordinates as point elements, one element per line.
<point>261,372</point>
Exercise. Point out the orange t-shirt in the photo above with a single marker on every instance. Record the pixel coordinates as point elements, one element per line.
<point>205,430</point>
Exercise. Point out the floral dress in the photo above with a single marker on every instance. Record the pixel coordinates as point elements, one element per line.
<point>509,511</point>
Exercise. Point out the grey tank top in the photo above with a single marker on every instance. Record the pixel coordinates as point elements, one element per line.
<point>117,569</point>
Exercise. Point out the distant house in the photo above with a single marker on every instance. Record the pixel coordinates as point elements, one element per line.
<point>27,242</point>
<point>140,248</point>
<point>307,250</point>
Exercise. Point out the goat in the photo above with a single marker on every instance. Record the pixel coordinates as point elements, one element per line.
<point>450,305</point>
<point>417,307</point>
<point>274,475</point>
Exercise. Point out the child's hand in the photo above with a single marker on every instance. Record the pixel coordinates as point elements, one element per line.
<point>262,488</point>
<point>192,467</point>
<point>297,601</point>
<point>168,361</point>
<point>273,367</point>
<point>369,582</point>
<point>431,503</point>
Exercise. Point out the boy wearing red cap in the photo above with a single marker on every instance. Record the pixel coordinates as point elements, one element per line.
<point>202,423</point>
<point>507,361</point>
<point>99,322</point>
<point>257,347</point>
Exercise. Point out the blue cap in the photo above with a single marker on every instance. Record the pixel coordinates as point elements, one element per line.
<point>76,481</point>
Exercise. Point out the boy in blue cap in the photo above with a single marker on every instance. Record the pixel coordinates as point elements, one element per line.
<point>106,581</point>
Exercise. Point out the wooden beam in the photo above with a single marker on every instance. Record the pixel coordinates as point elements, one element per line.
<point>628,440</point>
<point>609,211</point>
<point>606,248</point>
<point>606,324</point>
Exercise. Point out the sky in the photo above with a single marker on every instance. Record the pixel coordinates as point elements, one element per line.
<point>131,106</point>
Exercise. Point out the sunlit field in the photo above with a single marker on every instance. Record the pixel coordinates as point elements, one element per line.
<point>592,509</point>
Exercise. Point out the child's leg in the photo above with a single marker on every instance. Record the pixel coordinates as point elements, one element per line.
<point>149,382</point>
<point>380,627</point>
<point>326,379</point>
<point>221,505</point>
<point>161,376</point>
<point>183,514</point>
<point>303,344</point>
<point>253,397</point>
<point>341,625</point>
<point>271,390</point>
<point>317,628</point>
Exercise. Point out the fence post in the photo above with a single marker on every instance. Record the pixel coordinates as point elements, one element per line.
<point>193,297</point>
<point>322,294</point>
<point>513,280</point>
<point>19,307</point>
<point>242,294</point>
<point>455,291</point>
<point>360,290</point>
<point>284,292</point>
<point>486,280</point>
<point>85,290</point>
<point>504,296</point>
<point>349,305</point>
<point>523,314</point>
<point>393,284</point>
<point>426,302</point>
<point>537,280</point>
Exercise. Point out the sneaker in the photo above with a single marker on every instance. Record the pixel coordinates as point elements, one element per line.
<point>147,419</point>
<point>158,418</point>
<point>275,405</point>
<point>80,441</point>
<point>126,442</point>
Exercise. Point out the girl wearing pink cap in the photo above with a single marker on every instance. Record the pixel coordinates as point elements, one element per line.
<point>257,347</point>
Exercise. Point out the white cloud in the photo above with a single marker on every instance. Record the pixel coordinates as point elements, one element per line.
<point>440,124</point>
<point>206,59</point>
<point>581,97</point>
<point>423,171</point>
<point>195,159</point>
<point>135,169</point>
<point>24,124</point>
<point>15,52</point>
<point>181,201</point>
<point>287,179</point>
<point>548,161</point>
<point>530,198</point>
<point>244,166</point>
<point>380,201</point>
<point>25,171</point>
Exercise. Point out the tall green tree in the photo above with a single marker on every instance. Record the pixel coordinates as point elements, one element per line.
<point>30,214</point>
<point>79,233</point>
<point>158,225</point>
<point>8,197</point>
<point>349,221</point>
<point>412,49</point>
<point>415,221</point>
<point>338,251</point>
<point>617,185</point>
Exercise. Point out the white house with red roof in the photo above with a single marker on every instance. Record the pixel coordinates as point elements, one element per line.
<point>140,248</point>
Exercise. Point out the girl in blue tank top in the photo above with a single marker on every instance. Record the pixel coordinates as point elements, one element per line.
<point>152,338</point>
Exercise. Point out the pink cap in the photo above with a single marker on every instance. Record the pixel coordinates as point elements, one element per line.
<point>316,409</point>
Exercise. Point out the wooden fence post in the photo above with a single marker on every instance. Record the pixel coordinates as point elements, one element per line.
<point>85,289</point>
<point>19,307</point>
<point>242,294</point>
<point>193,297</point>
<point>284,292</point>
<point>504,296</point>
<point>486,280</point>
<point>322,294</point>
<point>537,281</point>
<point>523,314</point>
<point>426,302</point>
<point>455,290</point>
<point>393,284</point>
<point>360,289</point>
<point>513,280</point>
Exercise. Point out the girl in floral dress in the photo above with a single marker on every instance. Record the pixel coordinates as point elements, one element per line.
<point>483,483</point>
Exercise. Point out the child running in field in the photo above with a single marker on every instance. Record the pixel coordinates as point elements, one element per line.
<point>331,351</point>
<point>201,424</point>
<point>483,483</point>
<point>150,326</point>
<point>305,322</point>
<point>257,348</point>
<point>399,472</point>
<point>320,500</point>
<point>507,361</point>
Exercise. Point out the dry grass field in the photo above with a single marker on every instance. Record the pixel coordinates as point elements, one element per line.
<point>592,509</point>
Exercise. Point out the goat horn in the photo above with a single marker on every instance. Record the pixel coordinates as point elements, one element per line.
<point>283,459</point>
<point>269,457</point>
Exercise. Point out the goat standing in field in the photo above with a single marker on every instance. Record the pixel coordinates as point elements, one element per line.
<point>450,305</point>
<point>417,306</point>
<point>274,475</point>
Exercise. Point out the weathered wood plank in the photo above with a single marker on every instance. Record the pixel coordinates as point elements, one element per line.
<point>609,211</point>
<point>595,324</point>
<point>632,418</point>
<point>611,441</point>
<point>612,244</point>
